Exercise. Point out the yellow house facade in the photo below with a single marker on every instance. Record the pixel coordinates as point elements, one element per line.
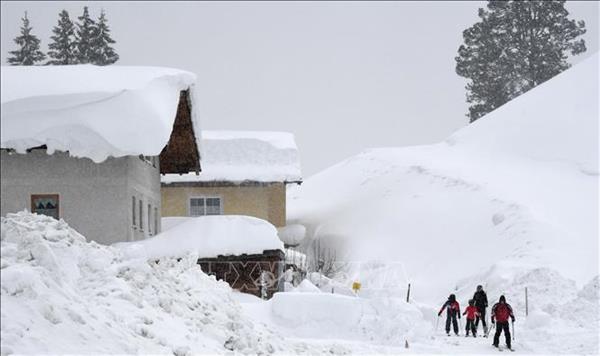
<point>262,200</point>
<point>243,173</point>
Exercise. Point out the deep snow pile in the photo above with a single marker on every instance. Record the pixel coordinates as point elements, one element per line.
<point>237,156</point>
<point>510,202</point>
<point>92,111</point>
<point>207,236</point>
<point>370,324</point>
<point>61,294</point>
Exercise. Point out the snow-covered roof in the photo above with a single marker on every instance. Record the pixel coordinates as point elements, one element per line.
<point>92,111</point>
<point>238,156</point>
<point>207,236</point>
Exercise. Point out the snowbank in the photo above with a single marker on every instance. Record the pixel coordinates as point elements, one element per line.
<point>303,309</point>
<point>388,321</point>
<point>208,236</point>
<point>237,156</point>
<point>292,234</point>
<point>92,111</point>
<point>169,222</point>
<point>62,295</point>
<point>509,202</point>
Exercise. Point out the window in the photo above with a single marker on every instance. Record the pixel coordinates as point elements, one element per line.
<point>133,210</point>
<point>205,206</point>
<point>213,206</point>
<point>197,207</point>
<point>156,220</point>
<point>46,204</point>
<point>141,216</point>
<point>149,219</point>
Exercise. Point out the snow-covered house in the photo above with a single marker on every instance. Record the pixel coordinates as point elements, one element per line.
<point>243,173</point>
<point>88,144</point>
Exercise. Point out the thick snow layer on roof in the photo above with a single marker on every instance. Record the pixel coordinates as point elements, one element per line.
<point>208,236</point>
<point>238,156</point>
<point>91,111</point>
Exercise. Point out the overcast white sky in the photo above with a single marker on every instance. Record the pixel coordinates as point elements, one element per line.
<point>341,76</point>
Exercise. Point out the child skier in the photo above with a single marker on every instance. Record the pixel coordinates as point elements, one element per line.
<point>501,311</point>
<point>452,311</point>
<point>471,311</point>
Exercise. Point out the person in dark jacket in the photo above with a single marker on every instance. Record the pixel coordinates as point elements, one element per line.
<point>452,312</point>
<point>501,311</point>
<point>481,303</point>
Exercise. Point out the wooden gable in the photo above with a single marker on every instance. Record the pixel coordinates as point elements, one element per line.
<point>181,154</point>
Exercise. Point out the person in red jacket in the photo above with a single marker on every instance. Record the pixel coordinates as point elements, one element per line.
<point>472,312</point>
<point>501,311</point>
<point>452,311</point>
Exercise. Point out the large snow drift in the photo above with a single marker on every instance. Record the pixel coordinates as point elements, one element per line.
<point>237,156</point>
<point>509,202</point>
<point>62,295</point>
<point>208,236</point>
<point>92,111</point>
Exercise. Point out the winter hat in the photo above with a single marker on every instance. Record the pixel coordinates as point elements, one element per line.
<point>452,297</point>
<point>479,287</point>
<point>471,302</point>
<point>502,299</point>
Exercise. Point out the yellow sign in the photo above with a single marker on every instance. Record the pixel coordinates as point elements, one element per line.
<point>356,286</point>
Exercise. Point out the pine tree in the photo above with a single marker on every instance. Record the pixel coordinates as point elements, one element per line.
<point>103,53</point>
<point>62,49</point>
<point>516,46</point>
<point>29,52</point>
<point>84,37</point>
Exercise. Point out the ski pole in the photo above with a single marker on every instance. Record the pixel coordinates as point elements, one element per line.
<point>437,322</point>
<point>513,327</point>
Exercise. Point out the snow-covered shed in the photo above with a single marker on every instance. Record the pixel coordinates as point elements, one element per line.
<point>243,173</point>
<point>88,144</point>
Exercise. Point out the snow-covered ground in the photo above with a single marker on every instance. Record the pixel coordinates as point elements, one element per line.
<point>509,202</point>
<point>61,294</point>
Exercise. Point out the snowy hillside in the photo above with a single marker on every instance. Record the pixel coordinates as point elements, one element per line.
<point>509,202</point>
